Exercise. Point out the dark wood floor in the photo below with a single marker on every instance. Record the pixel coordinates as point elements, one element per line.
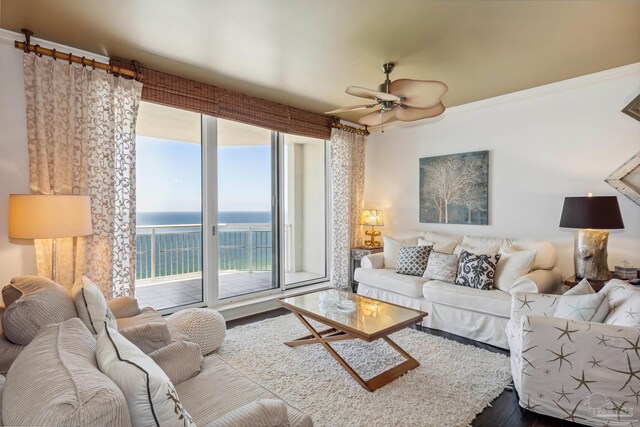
<point>504,410</point>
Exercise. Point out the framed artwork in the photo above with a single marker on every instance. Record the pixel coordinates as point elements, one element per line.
<point>454,189</point>
<point>626,179</point>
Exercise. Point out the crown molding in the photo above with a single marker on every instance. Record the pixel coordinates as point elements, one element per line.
<point>7,38</point>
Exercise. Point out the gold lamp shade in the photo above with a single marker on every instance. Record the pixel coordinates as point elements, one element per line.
<point>48,217</point>
<point>372,218</point>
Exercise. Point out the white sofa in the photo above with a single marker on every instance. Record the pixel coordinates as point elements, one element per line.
<point>472,313</point>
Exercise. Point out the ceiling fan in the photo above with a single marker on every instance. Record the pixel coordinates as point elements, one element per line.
<point>404,99</point>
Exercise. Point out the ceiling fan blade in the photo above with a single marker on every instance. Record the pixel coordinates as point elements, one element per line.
<point>354,108</point>
<point>409,114</point>
<point>363,92</point>
<point>418,93</point>
<point>377,117</point>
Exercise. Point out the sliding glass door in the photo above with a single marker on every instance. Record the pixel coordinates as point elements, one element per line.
<point>169,208</point>
<point>246,234</point>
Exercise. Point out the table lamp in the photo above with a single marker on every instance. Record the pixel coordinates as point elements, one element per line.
<point>372,218</point>
<point>592,216</point>
<point>34,216</point>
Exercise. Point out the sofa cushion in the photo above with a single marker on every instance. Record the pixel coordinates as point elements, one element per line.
<point>55,381</point>
<point>91,305</point>
<point>389,280</point>
<point>392,247</point>
<point>442,267</point>
<point>477,271</point>
<point>624,303</point>
<point>588,308</point>
<point>493,302</point>
<point>512,265</point>
<point>148,337</point>
<point>152,398</point>
<point>413,261</point>
<point>482,241</point>
<point>478,250</point>
<point>42,302</point>
<point>432,236</point>
<point>546,254</point>
<point>206,396</point>
<point>445,247</point>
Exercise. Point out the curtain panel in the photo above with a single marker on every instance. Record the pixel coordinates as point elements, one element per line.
<point>81,139</point>
<point>347,201</point>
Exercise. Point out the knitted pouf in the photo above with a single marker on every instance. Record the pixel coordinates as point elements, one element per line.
<point>205,327</point>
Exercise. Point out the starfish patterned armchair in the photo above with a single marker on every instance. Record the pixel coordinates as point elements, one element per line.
<point>577,357</point>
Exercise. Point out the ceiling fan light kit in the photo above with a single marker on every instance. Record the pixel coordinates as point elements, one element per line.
<point>404,100</point>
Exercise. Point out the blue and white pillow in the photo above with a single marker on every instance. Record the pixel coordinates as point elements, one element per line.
<point>413,261</point>
<point>477,270</point>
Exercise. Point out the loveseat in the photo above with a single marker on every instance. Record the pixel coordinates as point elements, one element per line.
<point>58,377</point>
<point>481,315</point>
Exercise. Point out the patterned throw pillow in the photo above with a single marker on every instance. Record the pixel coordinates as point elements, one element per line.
<point>443,267</point>
<point>589,308</point>
<point>477,271</point>
<point>413,261</point>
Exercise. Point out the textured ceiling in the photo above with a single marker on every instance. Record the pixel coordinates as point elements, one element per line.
<point>305,53</point>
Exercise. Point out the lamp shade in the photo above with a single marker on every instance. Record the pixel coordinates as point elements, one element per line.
<point>371,217</point>
<point>597,212</point>
<point>47,217</point>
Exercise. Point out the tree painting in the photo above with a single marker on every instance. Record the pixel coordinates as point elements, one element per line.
<point>454,189</point>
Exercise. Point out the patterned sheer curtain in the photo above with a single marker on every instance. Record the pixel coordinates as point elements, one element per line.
<point>81,136</point>
<point>347,196</point>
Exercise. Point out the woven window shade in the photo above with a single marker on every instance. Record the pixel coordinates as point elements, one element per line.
<point>178,92</point>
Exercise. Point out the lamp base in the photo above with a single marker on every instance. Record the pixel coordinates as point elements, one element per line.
<point>590,254</point>
<point>372,242</point>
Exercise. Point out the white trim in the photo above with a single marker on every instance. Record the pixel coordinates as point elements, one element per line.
<point>9,37</point>
<point>260,304</point>
<point>535,92</point>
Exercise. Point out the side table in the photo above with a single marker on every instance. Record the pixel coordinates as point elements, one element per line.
<point>595,284</point>
<point>356,258</point>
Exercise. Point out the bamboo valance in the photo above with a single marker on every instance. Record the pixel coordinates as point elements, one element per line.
<point>166,89</point>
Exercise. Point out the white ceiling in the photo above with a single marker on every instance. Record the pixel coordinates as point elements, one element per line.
<point>304,53</point>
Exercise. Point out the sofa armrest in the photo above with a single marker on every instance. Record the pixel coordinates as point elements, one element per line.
<point>541,281</point>
<point>591,362</point>
<point>374,261</point>
<point>531,304</point>
<point>124,307</point>
<point>259,413</point>
<point>180,360</point>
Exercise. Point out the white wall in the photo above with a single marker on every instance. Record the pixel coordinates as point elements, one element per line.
<point>545,143</point>
<point>16,256</point>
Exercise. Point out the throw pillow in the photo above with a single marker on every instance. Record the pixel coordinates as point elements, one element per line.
<point>56,382</point>
<point>588,308</point>
<point>444,247</point>
<point>391,250</point>
<point>624,303</point>
<point>441,267</point>
<point>91,305</point>
<point>41,302</point>
<point>513,264</point>
<point>151,396</point>
<point>483,250</point>
<point>413,261</point>
<point>582,288</point>
<point>180,360</point>
<point>477,270</point>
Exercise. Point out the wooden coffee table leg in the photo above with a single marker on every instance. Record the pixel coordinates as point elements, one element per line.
<point>373,383</point>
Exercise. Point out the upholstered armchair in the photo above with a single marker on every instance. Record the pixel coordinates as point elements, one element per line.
<point>580,371</point>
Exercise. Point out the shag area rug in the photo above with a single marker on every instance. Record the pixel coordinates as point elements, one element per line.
<point>453,383</point>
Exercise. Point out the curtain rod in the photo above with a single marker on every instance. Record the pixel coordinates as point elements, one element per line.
<point>27,47</point>
<point>336,124</point>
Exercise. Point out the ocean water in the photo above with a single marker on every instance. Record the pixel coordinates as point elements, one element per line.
<point>178,251</point>
<point>173,218</point>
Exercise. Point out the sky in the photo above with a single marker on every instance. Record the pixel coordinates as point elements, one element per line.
<point>168,176</point>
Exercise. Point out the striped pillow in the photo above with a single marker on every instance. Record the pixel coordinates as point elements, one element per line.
<point>151,396</point>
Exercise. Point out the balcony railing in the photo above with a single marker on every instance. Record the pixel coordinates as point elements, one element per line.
<point>165,252</point>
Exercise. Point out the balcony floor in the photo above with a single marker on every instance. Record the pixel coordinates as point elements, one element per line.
<point>161,295</point>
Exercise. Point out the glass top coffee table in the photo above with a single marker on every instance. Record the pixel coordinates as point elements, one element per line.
<point>369,320</point>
